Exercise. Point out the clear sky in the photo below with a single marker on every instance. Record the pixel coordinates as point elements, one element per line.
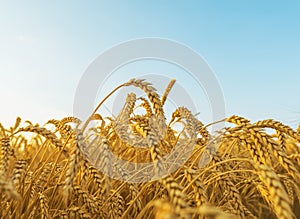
<point>252,46</point>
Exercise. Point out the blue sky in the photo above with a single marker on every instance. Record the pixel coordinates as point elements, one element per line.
<point>252,46</point>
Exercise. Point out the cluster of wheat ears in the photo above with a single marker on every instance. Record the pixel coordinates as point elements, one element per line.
<point>64,168</point>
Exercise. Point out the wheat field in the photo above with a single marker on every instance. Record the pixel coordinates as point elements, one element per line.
<point>58,169</point>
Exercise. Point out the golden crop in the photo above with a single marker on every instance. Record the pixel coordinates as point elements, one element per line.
<point>57,170</point>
